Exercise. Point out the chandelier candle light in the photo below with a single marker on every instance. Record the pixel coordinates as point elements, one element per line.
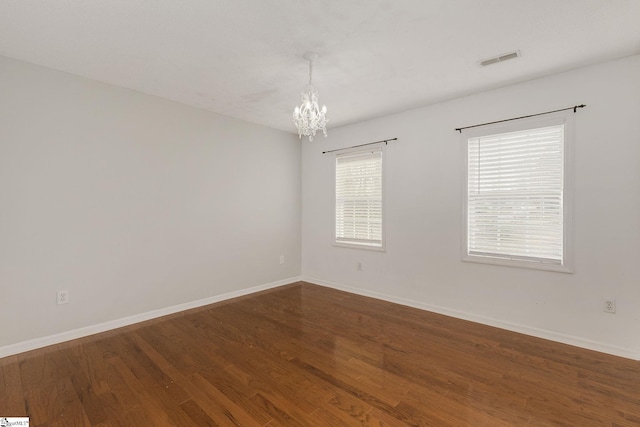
<point>309,117</point>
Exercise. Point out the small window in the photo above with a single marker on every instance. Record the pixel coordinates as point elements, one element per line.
<point>359,193</point>
<point>517,210</point>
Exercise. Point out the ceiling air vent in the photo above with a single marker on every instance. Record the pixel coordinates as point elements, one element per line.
<point>505,57</point>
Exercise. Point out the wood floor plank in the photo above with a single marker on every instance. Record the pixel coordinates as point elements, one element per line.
<point>226,412</point>
<point>377,418</point>
<point>71,412</point>
<point>151,409</point>
<point>212,367</point>
<point>206,404</point>
<point>197,414</point>
<point>37,371</point>
<point>305,355</point>
<point>11,393</point>
<point>43,404</point>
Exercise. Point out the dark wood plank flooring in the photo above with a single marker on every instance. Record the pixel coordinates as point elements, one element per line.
<point>304,355</point>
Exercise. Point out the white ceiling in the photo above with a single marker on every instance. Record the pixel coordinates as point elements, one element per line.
<point>244,58</point>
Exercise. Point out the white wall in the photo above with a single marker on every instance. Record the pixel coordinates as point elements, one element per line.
<point>422,265</point>
<point>132,203</point>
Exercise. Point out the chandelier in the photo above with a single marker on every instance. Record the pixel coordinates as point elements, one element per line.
<point>309,117</point>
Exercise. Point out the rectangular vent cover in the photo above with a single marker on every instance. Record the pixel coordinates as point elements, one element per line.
<point>505,57</point>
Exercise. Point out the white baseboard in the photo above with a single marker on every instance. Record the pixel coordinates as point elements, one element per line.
<point>33,344</point>
<point>515,327</point>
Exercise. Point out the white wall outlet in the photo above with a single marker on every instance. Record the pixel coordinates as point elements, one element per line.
<point>62,297</point>
<point>359,266</point>
<point>281,259</point>
<point>609,306</point>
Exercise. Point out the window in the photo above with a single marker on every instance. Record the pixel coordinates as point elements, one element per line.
<point>517,206</point>
<point>359,195</point>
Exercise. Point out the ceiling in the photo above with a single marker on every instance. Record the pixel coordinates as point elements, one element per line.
<point>244,58</point>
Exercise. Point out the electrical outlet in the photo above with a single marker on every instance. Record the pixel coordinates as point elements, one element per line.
<point>609,306</point>
<point>281,259</point>
<point>359,266</point>
<point>62,297</point>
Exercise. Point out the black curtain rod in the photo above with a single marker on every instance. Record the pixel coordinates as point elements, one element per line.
<point>361,145</point>
<point>574,108</point>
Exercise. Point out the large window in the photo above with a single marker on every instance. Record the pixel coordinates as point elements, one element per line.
<point>517,210</point>
<point>359,192</point>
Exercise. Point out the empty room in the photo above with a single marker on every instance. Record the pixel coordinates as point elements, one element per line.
<point>319,213</point>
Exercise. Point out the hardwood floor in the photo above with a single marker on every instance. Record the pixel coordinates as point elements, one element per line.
<point>304,355</point>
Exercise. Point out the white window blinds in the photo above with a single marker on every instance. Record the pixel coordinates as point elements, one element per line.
<point>515,195</point>
<point>359,198</point>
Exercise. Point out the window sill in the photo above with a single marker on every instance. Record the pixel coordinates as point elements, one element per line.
<point>360,246</point>
<point>518,264</point>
